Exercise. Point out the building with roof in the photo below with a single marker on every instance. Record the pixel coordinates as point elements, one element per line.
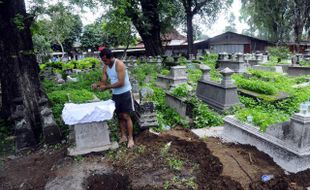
<point>232,42</point>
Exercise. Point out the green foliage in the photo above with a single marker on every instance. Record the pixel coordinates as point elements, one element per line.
<point>194,75</point>
<point>79,158</point>
<point>262,116</point>
<point>75,96</point>
<point>265,114</point>
<point>93,36</point>
<point>164,72</point>
<point>165,115</point>
<point>255,85</point>
<point>19,21</point>
<point>305,63</point>
<point>266,75</point>
<point>117,18</point>
<point>203,116</point>
<point>140,72</point>
<point>181,91</point>
<point>174,163</point>
<point>281,52</point>
<point>210,60</point>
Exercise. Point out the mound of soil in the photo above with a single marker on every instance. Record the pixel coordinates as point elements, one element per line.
<point>150,168</point>
<point>176,159</point>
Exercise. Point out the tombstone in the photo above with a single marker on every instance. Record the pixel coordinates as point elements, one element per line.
<point>205,72</point>
<point>159,61</point>
<point>288,143</point>
<point>236,64</point>
<point>51,132</point>
<point>223,56</point>
<point>180,105</point>
<point>145,112</point>
<point>91,137</point>
<point>89,131</point>
<point>277,69</point>
<point>297,70</point>
<point>219,96</point>
<point>307,54</point>
<point>176,76</point>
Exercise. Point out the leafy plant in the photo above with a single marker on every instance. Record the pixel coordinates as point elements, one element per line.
<point>175,164</point>
<point>262,117</point>
<point>281,52</point>
<point>181,91</point>
<point>255,85</point>
<point>203,116</point>
<point>165,72</point>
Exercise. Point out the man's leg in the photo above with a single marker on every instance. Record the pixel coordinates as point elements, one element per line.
<point>128,122</point>
<point>122,126</point>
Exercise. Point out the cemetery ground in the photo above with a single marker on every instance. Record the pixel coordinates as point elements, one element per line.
<point>189,163</point>
<point>174,159</point>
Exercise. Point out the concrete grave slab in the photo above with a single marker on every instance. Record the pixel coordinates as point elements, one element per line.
<point>91,137</point>
<point>284,150</point>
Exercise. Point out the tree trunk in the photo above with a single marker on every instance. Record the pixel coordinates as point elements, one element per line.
<point>62,50</point>
<point>23,101</point>
<point>189,23</point>
<point>148,26</point>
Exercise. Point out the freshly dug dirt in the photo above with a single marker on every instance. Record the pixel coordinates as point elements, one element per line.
<point>200,170</point>
<point>176,159</point>
<point>107,182</point>
<point>29,171</point>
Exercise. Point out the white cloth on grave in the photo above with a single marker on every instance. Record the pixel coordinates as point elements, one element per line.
<point>73,114</point>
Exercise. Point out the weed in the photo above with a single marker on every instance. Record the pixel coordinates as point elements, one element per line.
<point>165,149</point>
<point>79,158</point>
<point>175,163</point>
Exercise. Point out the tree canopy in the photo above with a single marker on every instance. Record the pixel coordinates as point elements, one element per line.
<point>276,20</point>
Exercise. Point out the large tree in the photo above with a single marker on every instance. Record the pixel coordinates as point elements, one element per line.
<point>208,9</point>
<point>62,25</point>
<point>23,101</point>
<point>277,19</point>
<point>144,15</point>
<point>300,14</point>
<point>231,27</point>
<point>116,19</point>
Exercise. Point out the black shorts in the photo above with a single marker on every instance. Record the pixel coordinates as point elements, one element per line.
<point>123,102</point>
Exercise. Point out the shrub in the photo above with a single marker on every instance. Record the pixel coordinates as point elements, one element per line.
<point>262,117</point>
<point>281,52</point>
<point>203,116</point>
<point>165,72</point>
<point>255,85</point>
<point>181,90</point>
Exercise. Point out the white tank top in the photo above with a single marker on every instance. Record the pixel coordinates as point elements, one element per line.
<point>112,74</point>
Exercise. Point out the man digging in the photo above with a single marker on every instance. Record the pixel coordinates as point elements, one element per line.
<point>115,70</point>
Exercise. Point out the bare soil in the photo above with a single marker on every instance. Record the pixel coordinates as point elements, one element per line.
<point>176,159</point>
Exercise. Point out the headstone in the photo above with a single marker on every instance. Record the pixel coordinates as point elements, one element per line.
<point>220,96</point>
<point>236,63</point>
<point>176,76</point>
<point>205,72</point>
<point>91,137</point>
<point>145,114</point>
<point>181,106</point>
<point>297,70</point>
